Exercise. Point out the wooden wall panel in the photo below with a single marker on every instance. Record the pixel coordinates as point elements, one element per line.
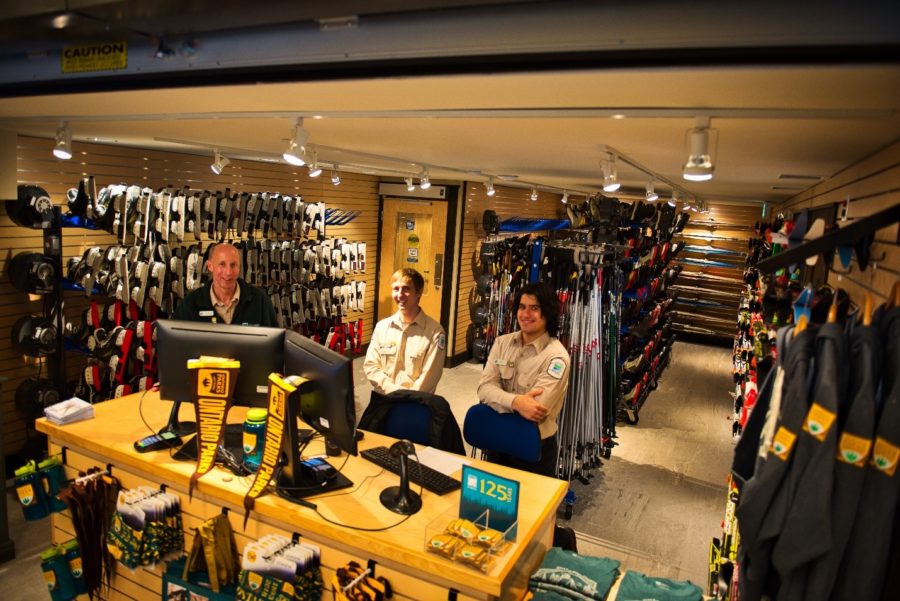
<point>867,187</point>
<point>696,283</point>
<point>508,202</point>
<point>156,169</point>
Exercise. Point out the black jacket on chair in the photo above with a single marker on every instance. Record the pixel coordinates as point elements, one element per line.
<point>443,431</point>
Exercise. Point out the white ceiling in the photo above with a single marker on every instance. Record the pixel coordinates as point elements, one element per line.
<point>548,128</point>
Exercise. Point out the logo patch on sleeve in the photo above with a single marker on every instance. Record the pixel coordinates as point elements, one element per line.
<point>818,421</point>
<point>442,342</point>
<point>557,368</point>
<point>884,456</point>
<point>782,443</point>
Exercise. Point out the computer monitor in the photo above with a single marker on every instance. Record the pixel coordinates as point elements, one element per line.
<point>260,351</point>
<point>326,403</point>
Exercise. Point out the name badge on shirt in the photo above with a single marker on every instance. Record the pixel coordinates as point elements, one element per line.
<point>206,313</point>
<point>504,363</point>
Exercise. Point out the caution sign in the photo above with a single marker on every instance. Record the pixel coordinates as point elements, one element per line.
<point>106,56</point>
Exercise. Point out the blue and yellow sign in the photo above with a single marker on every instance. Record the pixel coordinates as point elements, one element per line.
<point>482,490</point>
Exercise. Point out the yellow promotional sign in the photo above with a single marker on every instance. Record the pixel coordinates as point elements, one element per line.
<point>104,56</point>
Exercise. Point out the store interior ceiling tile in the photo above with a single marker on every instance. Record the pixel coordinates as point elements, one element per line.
<point>778,127</point>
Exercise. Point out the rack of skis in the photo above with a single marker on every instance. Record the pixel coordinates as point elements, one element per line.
<point>615,323</point>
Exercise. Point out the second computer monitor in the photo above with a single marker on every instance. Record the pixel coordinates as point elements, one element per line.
<point>327,403</point>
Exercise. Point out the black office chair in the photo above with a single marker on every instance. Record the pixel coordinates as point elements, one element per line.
<point>421,417</point>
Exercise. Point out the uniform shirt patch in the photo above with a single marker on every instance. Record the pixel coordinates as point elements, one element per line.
<point>557,367</point>
<point>442,342</point>
<point>205,313</point>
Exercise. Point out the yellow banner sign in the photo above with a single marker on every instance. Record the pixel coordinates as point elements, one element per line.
<point>106,56</point>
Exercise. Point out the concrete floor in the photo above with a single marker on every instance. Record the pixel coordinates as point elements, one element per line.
<point>654,505</point>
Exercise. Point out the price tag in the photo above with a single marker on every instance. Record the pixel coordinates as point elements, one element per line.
<point>482,490</point>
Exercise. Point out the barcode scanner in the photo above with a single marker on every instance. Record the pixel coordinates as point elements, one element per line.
<point>400,499</point>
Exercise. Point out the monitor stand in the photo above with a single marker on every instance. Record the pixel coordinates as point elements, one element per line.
<point>295,482</point>
<point>175,425</point>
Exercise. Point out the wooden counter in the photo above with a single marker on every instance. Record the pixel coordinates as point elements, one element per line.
<point>398,551</point>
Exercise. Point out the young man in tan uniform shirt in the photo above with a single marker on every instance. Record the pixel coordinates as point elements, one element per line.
<point>528,372</point>
<point>407,349</point>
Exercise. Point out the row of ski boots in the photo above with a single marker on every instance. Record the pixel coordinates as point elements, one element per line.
<point>136,213</point>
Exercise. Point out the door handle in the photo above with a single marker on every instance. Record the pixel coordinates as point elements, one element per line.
<point>438,270</point>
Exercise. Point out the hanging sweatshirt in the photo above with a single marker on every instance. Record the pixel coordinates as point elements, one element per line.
<point>753,511</point>
<point>853,449</point>
<point>865,564</point>
<point>806,532</point>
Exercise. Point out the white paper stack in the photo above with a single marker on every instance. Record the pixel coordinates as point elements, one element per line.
<point>66,412</point>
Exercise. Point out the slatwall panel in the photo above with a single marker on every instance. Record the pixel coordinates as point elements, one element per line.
<point>117,164</point>
<point>508,202</point>
<point>869,186</point>
<point>730,221</point>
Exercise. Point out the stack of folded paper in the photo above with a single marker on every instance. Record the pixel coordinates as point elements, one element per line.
<point>69,411</point>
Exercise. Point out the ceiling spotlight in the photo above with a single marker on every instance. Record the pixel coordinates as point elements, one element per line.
<point>534,194</point>
<point>699,166</point>
<point>424,182</point>
<point>490,187</point>
<point>296,149</point>
<point>410,186</point>
<point>314,169</point>
<point>336,175</point>
<point>565,197</point>
<point>610,174</point>
<point>219,163</point>
<point>673,200</point>
<point>651,195</point>
<point>63,148</point>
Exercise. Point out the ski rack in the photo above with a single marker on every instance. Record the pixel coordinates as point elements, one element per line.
<point>856,234</point>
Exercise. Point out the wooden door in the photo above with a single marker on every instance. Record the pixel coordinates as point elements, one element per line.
<point>413,233</point>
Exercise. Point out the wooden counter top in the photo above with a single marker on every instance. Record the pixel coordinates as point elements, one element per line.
<point>118,423</point>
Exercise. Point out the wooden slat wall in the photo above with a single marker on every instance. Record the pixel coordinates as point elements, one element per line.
<point>725,220</point>
<point>508,202</point>
<point>869,186</point>
<point>118,164</point>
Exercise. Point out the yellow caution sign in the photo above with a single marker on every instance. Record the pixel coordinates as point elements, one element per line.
<point>105,56</point>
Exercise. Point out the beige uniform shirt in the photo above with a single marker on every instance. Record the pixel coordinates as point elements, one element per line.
<point>225,310</point>
<point>407,356</point>
<point>513,369</point>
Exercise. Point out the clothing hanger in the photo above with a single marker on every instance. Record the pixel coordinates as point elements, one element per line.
<point>833,309</point>
<point>867,309</point>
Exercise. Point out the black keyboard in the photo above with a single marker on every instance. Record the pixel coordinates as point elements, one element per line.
<point>428,478</point>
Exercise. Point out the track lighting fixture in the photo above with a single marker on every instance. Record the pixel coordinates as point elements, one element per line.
<point>673,200</point>
<point>534,194</point>
<point>336,175</point>
<point>651,195</point>
<point>424,182</point>
<point>699,166</point>
<point>490,187</point>
<point>296,149</point>
<point>704,208</point>
<point>314,169</point>
<point>410,186</point>
<point>63,148</point>
<point>219,163</point>
<point>565,197</point>
<point>610,174</point>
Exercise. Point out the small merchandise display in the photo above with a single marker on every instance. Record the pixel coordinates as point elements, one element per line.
<point>146,527</point>
<point>352,582</point>
<point>568,575</point>
<point>210,571</point>
<point>63,573</point>
<point>38,487</point>
<point>277,568</point>
<point>471,543</point>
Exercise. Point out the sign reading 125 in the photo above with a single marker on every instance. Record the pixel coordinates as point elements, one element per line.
<point>482,490</point>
